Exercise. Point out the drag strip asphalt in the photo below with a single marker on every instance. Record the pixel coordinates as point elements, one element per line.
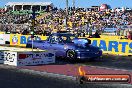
<point>27,77</point>
<point>12,77</point>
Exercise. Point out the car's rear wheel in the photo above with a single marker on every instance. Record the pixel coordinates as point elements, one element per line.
<point>71,55</point>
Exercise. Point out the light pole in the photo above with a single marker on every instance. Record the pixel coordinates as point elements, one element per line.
<point>66,13</point>
<point>73,3</point>
<point>33,25</point>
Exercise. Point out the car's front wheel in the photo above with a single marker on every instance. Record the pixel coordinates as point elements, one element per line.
<point>71,54</point>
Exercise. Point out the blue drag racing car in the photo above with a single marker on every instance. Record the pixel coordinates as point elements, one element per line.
<point>69,46</point>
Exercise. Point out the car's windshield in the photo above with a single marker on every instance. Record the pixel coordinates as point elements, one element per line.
<point>67,38</point>
<point>61,38</point>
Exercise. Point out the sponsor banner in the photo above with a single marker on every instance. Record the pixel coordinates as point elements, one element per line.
<point>2,39</point>
<point>109,44</point>
<point>28,58</point>
<point>14,39</point>
<point>113,46</point>
<point>10,58</point>
<point>110,37</point>
<point>21,40</point>
<point>2,49</point>
<point>6,37</point>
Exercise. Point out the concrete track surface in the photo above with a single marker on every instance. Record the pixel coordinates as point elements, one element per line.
<point>34,76</point>
<point>11,77</point>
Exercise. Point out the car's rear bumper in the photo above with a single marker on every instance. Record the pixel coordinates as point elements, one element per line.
<point>87,55</point>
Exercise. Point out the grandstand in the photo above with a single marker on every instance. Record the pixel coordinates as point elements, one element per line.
<point>18,6</point>
<point>79,20</point>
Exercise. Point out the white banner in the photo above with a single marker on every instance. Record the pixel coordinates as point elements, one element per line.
<point>28,58</point>
<point>10,58</point>
<point>2,39</point>
<point>6,37</point>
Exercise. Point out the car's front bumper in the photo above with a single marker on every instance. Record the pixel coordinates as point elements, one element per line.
<point>87,55</point>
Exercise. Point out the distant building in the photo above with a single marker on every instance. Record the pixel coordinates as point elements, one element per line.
<point>17,6</point>
<point>103,7</point>
<point>93,8</point>
<point>123,9</point>
<point>2,10</point>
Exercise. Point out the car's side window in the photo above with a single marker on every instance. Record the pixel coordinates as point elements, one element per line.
<point>66,39</point>
<point>54,39</point>
<point>60,40</point>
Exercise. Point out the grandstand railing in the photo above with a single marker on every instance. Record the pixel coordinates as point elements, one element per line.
<point>13,27</point>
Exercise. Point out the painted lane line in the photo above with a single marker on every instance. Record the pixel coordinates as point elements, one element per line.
<point>55,75</point>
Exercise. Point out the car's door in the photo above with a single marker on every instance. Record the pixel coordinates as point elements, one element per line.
<point>46,44</point>
<point>54,42</point>
<point>57,45</point>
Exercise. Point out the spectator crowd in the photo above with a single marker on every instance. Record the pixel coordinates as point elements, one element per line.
<point>77,20</point>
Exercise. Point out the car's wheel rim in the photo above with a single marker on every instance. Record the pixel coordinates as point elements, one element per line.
<point>71,54</point>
